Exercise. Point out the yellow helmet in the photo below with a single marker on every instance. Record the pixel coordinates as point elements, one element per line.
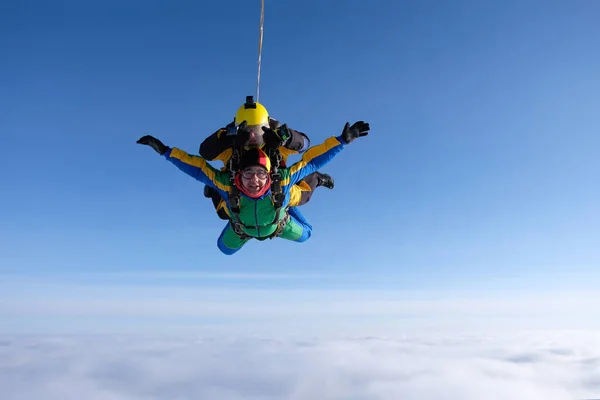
<point>252,112</point>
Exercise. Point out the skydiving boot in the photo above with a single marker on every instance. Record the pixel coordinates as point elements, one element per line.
<point>325,180</point>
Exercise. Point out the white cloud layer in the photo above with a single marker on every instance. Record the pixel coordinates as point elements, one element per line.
<point>526,366</point>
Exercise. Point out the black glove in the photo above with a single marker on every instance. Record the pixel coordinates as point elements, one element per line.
<point>274,138</point>
<point>242,136</point>
<point>358,129</point>
<point>230,129</point>
<point>153,142</point>
<point>230,135</point>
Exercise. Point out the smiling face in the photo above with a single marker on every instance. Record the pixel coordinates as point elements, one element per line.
<point>254,179</point>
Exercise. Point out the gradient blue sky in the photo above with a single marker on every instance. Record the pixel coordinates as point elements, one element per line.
<point>481,170</point>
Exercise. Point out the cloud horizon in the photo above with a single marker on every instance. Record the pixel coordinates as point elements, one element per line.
<point>529,366</point>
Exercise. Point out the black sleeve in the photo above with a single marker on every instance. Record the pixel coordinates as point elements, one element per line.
<point>298,142</point>
<point>215,144</point>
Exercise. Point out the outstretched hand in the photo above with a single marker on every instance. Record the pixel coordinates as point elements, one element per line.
<point>153,142</point>
<point>358,129</point>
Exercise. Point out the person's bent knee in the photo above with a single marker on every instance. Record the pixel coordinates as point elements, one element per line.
<point>226,250</point>
<point>306,234</point>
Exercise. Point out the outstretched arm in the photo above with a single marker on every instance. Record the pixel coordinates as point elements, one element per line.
<point>313,159</point>
<point>198,168</point>
<point>318,156</point>
<point>194,166</point>
<point>298,141</point>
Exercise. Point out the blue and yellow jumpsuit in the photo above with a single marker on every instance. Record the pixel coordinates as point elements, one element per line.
<point>259,217</point>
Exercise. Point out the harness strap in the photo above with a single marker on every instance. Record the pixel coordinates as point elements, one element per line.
<point>234,195</point>
<point>277,195</point>
<point>280,227</point>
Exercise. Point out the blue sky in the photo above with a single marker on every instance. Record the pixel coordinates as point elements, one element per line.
<point>480,172</point>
